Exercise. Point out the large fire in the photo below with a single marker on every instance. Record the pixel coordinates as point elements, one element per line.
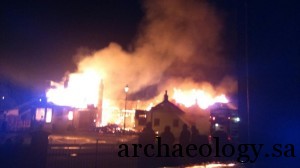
<point>197,96</point>
<point>80,90</point>
<point>179,44</point>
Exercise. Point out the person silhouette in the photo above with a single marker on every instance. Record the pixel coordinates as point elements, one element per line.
<point>167,136</point>
<point>185,135</point>
<point>184,140</point>
<point>146,137</point>
<point>195,140</point>
<point>167,139</point>
<point>195,136</point>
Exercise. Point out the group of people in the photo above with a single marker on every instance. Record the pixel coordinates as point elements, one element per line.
<point>194,137</point>
<point>167,137</point>
<point>187,136</point>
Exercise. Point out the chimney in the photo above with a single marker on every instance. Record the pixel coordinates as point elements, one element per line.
<point>166,97</point>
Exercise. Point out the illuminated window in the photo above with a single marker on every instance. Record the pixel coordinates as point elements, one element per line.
<point>70,115</point>
<point>40,114</point>
<point>49,115</point>
<point>142,116</point>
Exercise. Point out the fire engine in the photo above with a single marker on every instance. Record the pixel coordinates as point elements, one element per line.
<point>224,118</point>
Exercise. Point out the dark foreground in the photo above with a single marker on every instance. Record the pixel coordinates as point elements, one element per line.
<point>90,151</point>
<point>82,156</point>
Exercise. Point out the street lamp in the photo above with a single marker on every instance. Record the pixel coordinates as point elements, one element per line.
<point>126,89</point>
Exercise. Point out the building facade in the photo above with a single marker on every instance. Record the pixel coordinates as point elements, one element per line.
<point>167,114</point>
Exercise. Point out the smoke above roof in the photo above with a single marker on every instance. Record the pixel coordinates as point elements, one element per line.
<point>178,42</point>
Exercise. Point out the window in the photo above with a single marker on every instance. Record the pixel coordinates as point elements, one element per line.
<point>175,123</point>
<point>70,115</point>
<point>49,115</point>
<point>156,122</point>
<point>40,114</point>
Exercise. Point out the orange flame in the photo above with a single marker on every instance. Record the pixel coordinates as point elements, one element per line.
<point>197,96</point>
<point>82,90</point>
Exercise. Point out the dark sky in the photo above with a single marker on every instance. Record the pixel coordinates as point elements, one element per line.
<point>39,39</point>
<point>274,76</point>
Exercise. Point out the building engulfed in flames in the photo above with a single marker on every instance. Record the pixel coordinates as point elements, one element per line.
<point>83,91</point>
<point>163,54</point>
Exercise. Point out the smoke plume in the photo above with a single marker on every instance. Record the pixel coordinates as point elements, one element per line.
<point>179,41</point>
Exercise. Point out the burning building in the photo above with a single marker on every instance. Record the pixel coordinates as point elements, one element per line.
<point>178,47</point>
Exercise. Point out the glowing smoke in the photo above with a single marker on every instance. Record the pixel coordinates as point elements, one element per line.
<point>179,46</point>
<point>178,39</point>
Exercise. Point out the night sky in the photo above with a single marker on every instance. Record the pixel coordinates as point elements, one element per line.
<point>274,76</point>
<point>39,40</point>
